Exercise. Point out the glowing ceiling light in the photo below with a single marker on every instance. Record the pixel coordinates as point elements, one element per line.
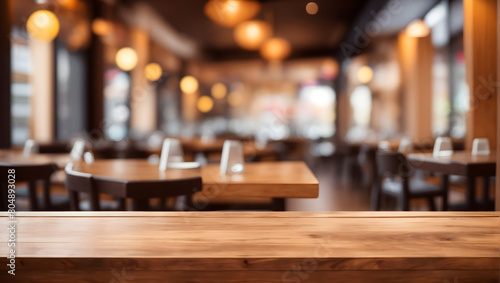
<point>250,35</point>
<point>329,69</point>
<point>153,71</point>
<point>229,13</point>
<point>365,74</point>
<point>69,4</point>
<point>275,49</point>
<point>102,27</point>
<point>189,84</point>
<point>218,90</point>
<point>417,28</point>
<point>312,8</point>
<point>126,58</point>
<point>43,25</point>
<point>205,104</point>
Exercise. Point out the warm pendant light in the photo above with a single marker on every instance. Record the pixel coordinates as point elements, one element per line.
<point>365,74</point>
<point>126,58</point>
<point>205,104</point>
<point>275,49</point>
<point>218,90</point>
<point>189,84</point>
<point>250,35</point>
<point>102,27</point>
<point>153,71</point>
<point>418,28</point>
<point>43,25</point>
<point>229,13</point>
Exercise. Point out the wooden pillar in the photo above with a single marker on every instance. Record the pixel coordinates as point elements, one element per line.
<point>497,197</point>
<point>480,48</point>
<point>95,75</point>
<point>41,80</point>
<point>5,94</point>
<point>143,102</point>
<point>416,54</point>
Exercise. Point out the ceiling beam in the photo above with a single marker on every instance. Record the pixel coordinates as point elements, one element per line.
<point>143,16</point>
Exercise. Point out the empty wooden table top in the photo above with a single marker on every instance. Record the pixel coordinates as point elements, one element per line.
<point>459,163</point>
<point>133,170</point>
<point>260,179</point>
<point>263,179</point>
<point>255,246</point>
<point>16,157</point>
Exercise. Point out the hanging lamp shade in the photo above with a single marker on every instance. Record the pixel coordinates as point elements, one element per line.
<point>102,27</point>
<point>251,35</point>
<point>153,71</point>
<point>275,49</point>
<point>365,74</point>
<point>418,28</point>
<point>126,58</point>
<point>205,104</point>
<point>229,13</point>
<point>189,84</point>
<point>218,90</point>
<point>43,25</point>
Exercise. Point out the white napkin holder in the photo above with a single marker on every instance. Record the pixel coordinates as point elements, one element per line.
<point>232,159</point>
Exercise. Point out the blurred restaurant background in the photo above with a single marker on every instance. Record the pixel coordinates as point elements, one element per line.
<point>325,82</point>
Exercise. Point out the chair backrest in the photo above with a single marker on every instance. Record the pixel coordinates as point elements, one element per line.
<point>26,173</point>
<point>366,155</point>
<point>393,164</point>
<point>77,181</point>
<point>30,147</point>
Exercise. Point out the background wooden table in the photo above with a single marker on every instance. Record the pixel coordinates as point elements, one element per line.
<point>278,180</point>
<point>461,163</point>
<point>193,146</point>
<point>16,157</point>
<point>28,167</point>
<point>255,247</point>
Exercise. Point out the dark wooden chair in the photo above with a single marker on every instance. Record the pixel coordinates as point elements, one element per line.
<point>394,179</point>
<point>30,174</point>
<point>139,191</point>
<point>77,183</point>
<point>367,163</point>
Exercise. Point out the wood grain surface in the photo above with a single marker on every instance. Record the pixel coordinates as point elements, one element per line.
<point>16,157</point>
<point>255,247</point>
<point>459,163</point>
<point>260,179</point>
